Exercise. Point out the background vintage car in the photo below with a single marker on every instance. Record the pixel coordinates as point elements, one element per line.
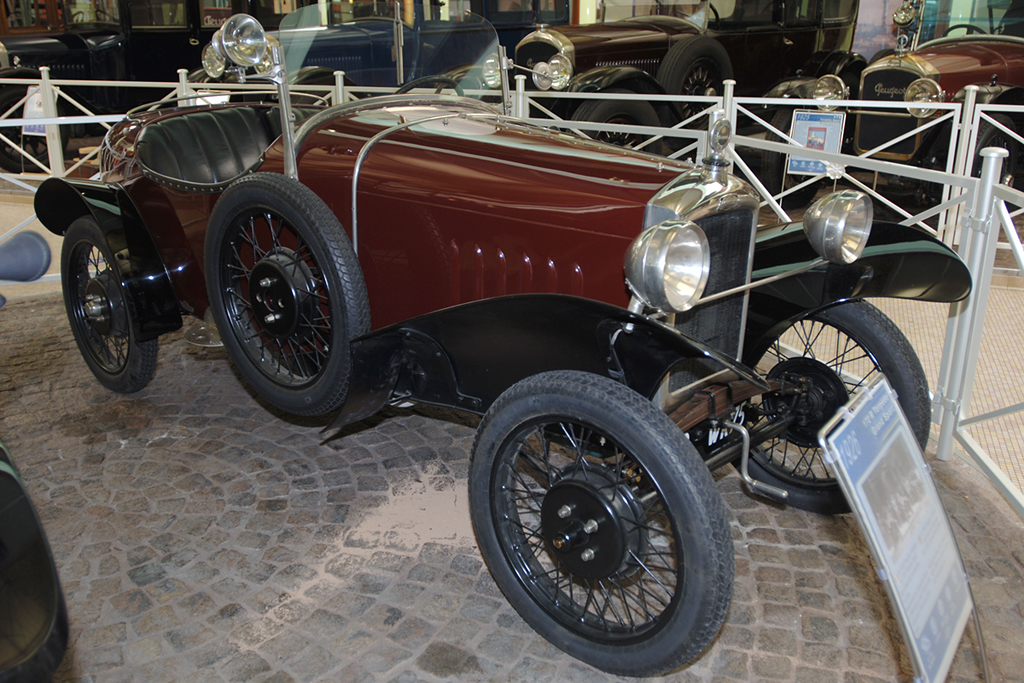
<point>940,53</point>
<point>688,48</point>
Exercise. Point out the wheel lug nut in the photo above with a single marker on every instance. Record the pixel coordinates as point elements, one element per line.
<point>587,555</point>
<point>266,282</point>
<point>590,527</point>
<point>272,317</point>
<point>564,511</point>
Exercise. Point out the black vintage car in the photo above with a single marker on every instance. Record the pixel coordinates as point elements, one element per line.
<point>688,47</point>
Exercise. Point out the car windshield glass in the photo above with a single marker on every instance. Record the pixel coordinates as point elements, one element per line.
<point>970,17</point>
<point>443,39</point>
<point>694,11</point>
<point>93,11</point>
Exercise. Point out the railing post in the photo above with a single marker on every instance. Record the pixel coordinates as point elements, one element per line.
<point>54,143</point>
<point>339,87</point>
<point>520,105</point>
<point>969,315</point>
<point>728,100</point>
<point>947,231</point>
<point>184,89</point>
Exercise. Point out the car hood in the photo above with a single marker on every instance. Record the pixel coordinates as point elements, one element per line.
<point>958,62</point>
<point>604,38</point>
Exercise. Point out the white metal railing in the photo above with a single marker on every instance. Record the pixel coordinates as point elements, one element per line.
<point>980,204</point>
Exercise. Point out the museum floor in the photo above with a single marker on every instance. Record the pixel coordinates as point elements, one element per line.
<point>202,535</point>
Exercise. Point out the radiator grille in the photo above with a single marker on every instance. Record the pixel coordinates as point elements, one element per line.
<point>886,85</point>
<point>719,323</point>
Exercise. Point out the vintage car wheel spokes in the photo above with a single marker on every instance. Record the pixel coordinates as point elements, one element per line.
<point>99,312</point>
<point>831,355</point>
<point>278,300</point>
<point>586,530</point>
<point>600,523</point>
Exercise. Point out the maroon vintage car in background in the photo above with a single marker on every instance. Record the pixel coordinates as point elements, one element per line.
<point>936,58</point>
<point>619,320</point>
<point>688,47</point>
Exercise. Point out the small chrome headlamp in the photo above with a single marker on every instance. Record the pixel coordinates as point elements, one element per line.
<point>830,87</point>
<point>667,265</point>
<point>542,76</point>
<point>922,90</point>
<point>213,63</point>
<point>838,225</point>
<point>561,71</point>
<point>492,72</point>
<point>905,14</point>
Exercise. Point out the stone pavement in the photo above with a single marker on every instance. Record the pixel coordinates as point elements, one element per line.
<point>204,536</point>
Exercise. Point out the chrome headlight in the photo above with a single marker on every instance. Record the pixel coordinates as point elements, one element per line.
<point>838,225</point>
<point>561,71</point>
<point>243,40</point>
<point>830,87</point>
<point>542,76</point>
<point>922,90</point>
<point>667,265</point>
<point>213,63</point>
<point>492,72</point>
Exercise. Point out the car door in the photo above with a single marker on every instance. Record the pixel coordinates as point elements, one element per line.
<point>163,36</point>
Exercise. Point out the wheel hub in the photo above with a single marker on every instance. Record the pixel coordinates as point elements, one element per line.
<point>97,306</point>
<point>588,526</point>
<point>280,292</point>
<point>825,392</point>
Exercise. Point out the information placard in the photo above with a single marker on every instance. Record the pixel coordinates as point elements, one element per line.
<point>815,130</point>
<point>874,455</point>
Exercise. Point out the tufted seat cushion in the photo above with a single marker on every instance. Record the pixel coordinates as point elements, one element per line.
<point>204,150</point>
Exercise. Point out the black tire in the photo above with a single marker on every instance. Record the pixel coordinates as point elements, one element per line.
<point>571,448</point>
<point>990,136</point>
<point>694,66</point>
<point>99,312</point>
<point>854,337</point>
<point>623,112</point>
<point>773,168</point>
<point>11,160</point>
<point>290,340</point>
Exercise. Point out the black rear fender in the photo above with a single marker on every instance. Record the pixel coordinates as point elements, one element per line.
<point>59,202</point>
<point>466,356</point>
<point>899,261</point>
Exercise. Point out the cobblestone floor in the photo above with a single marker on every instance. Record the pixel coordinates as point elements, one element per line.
<point>203,536</point>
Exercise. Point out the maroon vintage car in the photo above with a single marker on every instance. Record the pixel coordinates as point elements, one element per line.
<point>687,47</point>
<point>619,320</point>
<point>936,58</point>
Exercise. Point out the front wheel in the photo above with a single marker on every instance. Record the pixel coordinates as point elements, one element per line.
<point>838,351</point>
<point>99,312</point>
<point>600,523</point>
<point>286,291</point>
<point>622,112</point>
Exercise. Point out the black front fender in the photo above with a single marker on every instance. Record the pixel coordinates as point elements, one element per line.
<point>899,261</point>
<point>154,304</point>
<point>466,356</point>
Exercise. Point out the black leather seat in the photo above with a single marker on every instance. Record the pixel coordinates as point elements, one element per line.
<point>203,151</point>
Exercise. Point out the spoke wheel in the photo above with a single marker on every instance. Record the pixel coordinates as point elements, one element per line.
<point>621,112</point>
<point>694,66</point>
<point>286,292</point>
<point>99,313</point>
<point>834,353</point>
<point>600,523</point>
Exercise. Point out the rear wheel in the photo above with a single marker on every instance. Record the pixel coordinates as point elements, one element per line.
<point>838,352</point>
<point>286,291</point>
<point>600,523</point>
<point>99,313</point>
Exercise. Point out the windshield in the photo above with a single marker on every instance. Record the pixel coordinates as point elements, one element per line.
<point>102,11</point>
<point>694,11</point>
<point>435,39</point>
<point>970,17</point>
